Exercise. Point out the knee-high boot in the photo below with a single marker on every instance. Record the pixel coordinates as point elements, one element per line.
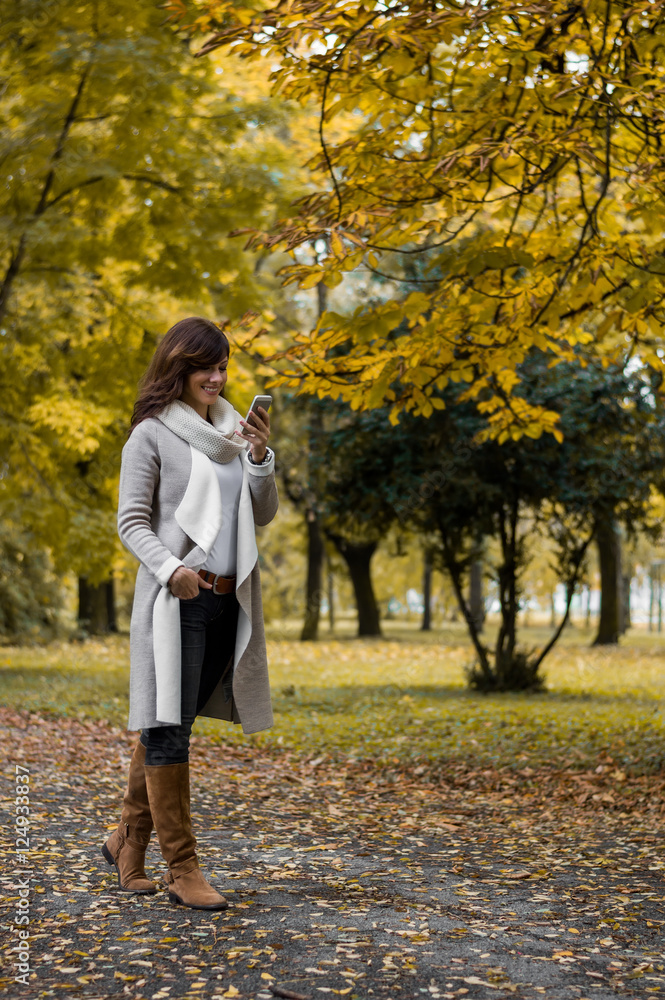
<point>168,793</point>
<point>126,846</point>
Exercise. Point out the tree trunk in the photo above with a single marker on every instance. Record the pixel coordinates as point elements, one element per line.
<point>625,593</point>
<point>358,559</point>
<point>427,592</point>
<point>110,606</point>
<point>655,596</point>
<point>454,569</point>
<point>476,603</point>
<point>507,579</point>
<point>315,547</point>
<point>315,551</point>
<point>609,553</point>
<point>96,610</point>
<point>331,598</point>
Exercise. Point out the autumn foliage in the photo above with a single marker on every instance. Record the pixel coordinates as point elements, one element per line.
<point>497,164</point>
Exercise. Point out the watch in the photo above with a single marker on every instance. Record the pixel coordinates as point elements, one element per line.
<point>265,460</point>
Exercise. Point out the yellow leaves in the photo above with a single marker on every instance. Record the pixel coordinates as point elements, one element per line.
<point>79,423</point>
<point>521,263</point>
<point>400,62</point>
<point>499,257</point>
<point>336,244</point>
<point>614,319</point>
<point>312,279</point>
<point>332,279</point>
<point>509,421</point>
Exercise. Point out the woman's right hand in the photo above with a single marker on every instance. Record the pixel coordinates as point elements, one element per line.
<point>184,583</point>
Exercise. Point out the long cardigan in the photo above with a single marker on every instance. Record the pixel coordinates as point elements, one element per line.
<point>169,515</point>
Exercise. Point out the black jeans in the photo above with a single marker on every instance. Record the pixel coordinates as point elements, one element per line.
<point>207,635</point>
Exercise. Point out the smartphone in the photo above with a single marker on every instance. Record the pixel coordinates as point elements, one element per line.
<point>263,401</point>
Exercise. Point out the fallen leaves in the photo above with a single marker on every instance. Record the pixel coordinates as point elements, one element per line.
<point>378,891</point>
<point>347,872</point>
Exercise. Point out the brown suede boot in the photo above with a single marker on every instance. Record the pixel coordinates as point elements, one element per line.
<point>126,846</point>
<point>168,793</point>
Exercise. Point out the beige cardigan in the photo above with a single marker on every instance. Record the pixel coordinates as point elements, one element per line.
<point>169,514</point>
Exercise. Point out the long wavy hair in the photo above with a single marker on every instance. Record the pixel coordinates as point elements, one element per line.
<point>191,344</point>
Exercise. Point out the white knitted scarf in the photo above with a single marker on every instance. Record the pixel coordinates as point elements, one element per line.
<point>217,439</point>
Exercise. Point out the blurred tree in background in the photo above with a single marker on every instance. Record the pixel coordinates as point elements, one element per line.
<point>482,199</point>
<point>31,595</point>
<point>126,164</point>
<point>444,477</point>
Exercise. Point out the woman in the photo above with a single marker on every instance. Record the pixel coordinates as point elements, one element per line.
<point>194,481</point>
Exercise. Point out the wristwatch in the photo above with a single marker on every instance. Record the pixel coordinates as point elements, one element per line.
<point>266,458</point>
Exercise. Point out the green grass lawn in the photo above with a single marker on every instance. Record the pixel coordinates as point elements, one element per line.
<point>400,698</point>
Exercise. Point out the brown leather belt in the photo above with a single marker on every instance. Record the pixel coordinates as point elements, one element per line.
<point>220,584</point>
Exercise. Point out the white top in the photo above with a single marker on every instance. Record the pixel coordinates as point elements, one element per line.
<point>222,557</point>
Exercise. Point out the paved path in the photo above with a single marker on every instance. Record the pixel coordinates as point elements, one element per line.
<point>342,882</point>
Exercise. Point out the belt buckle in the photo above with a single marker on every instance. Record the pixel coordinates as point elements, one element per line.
<point>216,592</point>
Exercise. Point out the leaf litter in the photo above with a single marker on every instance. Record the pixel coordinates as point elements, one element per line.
<point>346,877</point>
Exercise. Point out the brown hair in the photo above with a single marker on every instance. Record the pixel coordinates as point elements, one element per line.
<point>191,344</point>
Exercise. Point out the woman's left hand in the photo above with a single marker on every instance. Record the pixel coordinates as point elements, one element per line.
<point>257,433</point>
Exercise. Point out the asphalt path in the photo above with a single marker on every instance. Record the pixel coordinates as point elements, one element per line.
<point>528,900</point>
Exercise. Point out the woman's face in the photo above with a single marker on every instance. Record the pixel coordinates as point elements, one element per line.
<point>202,387</point>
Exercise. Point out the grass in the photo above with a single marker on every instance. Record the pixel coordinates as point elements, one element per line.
<point>402,698</point>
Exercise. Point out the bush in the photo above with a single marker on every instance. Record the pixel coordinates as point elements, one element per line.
<point>518,672</point>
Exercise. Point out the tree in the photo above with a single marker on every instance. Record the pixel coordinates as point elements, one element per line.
<point>604,472</point>
<point>315,543</point>
<point>30,595</point>
<point>359,477</point>
<point>512,146</point>
<point>298,444</point>
<point>610,624</point>
<point>127,164</point>
<point>309,473</point>
<point>427,590</point>
<point>357,554</point>
<point>446,478</point>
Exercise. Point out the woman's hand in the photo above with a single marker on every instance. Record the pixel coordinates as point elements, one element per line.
<point>257,434</point>
<point>184,583</point>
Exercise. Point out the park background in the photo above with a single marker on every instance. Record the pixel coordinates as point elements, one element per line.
<point>454,294</point>
<point>439,252</point>
<point>434,232</point>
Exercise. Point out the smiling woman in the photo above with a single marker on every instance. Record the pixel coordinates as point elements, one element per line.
<point>193,349</point>
<point>202,387</point>
<point>195,479</point>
